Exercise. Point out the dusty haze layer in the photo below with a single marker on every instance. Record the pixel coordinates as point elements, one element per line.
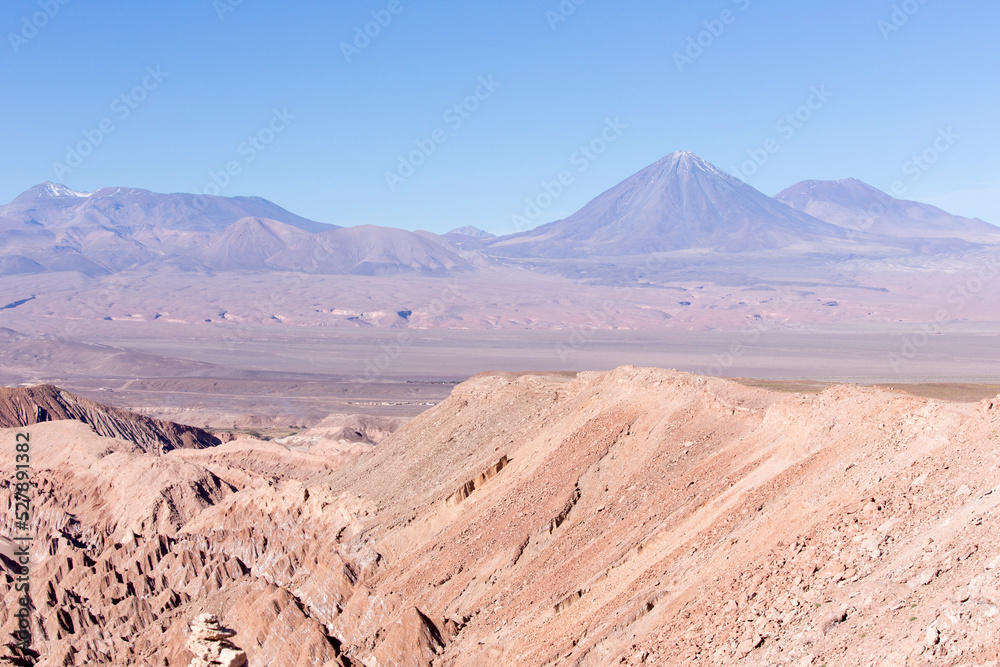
<point>208,375</point>
<point>637,516</point>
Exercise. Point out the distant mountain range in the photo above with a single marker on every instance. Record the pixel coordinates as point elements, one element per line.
<point>57,207</point>
<point>858,206</point>
<point>369,250</point>
<point>463,235</point>
<point>680,203</point>
<point>53,228</point>
<point>685,203</point>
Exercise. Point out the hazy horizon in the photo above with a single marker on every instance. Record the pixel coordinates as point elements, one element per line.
<point>521,228</point>
<point>496,101</point>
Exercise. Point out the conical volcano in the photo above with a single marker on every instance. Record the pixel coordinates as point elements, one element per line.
<point>681,202</point>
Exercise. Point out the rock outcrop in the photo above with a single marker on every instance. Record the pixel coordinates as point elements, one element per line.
<point>210,643</point>
<point>637,516</point>
<point>24,406</point>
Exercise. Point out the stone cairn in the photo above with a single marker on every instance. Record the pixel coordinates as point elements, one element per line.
<point>209,642</point>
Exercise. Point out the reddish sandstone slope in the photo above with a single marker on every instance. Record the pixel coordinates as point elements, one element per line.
<point>650,516</point>
<point>632,517</point>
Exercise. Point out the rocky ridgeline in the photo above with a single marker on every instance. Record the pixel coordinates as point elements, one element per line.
<point>24,406</point>
<point>631,517</point>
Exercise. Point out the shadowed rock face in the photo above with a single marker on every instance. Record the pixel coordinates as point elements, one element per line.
<point>24,406</point>
<point>637,516</point>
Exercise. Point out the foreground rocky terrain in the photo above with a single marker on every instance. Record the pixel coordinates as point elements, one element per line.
<point>637,516</point>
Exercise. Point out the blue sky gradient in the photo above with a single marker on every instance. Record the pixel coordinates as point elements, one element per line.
<point>262,98</point>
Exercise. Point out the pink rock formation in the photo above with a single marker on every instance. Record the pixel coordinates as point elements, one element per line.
<point>24,406</point>
<point>637,516</point>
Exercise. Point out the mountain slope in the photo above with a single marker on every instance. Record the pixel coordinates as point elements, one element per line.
<point>369,250</point>
<point>119,228</point>
<point>852,204</point>
<point>468,230</point>
<point>247,243</point>
<point>56,206</point>
<point>678,203</point>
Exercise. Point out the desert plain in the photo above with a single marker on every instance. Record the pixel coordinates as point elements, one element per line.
<point>690,424</point>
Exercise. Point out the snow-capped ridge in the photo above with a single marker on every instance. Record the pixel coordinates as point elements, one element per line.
<point>50,190</point>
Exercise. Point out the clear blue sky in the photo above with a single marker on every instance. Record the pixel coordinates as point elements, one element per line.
<point>892,92</point>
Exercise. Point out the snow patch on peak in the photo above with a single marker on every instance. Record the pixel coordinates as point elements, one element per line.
<point>119,193</point>
<point>50,189</point>
<point>687,161</point>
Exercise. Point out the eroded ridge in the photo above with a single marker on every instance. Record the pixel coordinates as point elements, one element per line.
<point>638,516</point>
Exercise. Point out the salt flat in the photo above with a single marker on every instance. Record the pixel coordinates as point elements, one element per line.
<point>961,353</point>
<point>201,374</point>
